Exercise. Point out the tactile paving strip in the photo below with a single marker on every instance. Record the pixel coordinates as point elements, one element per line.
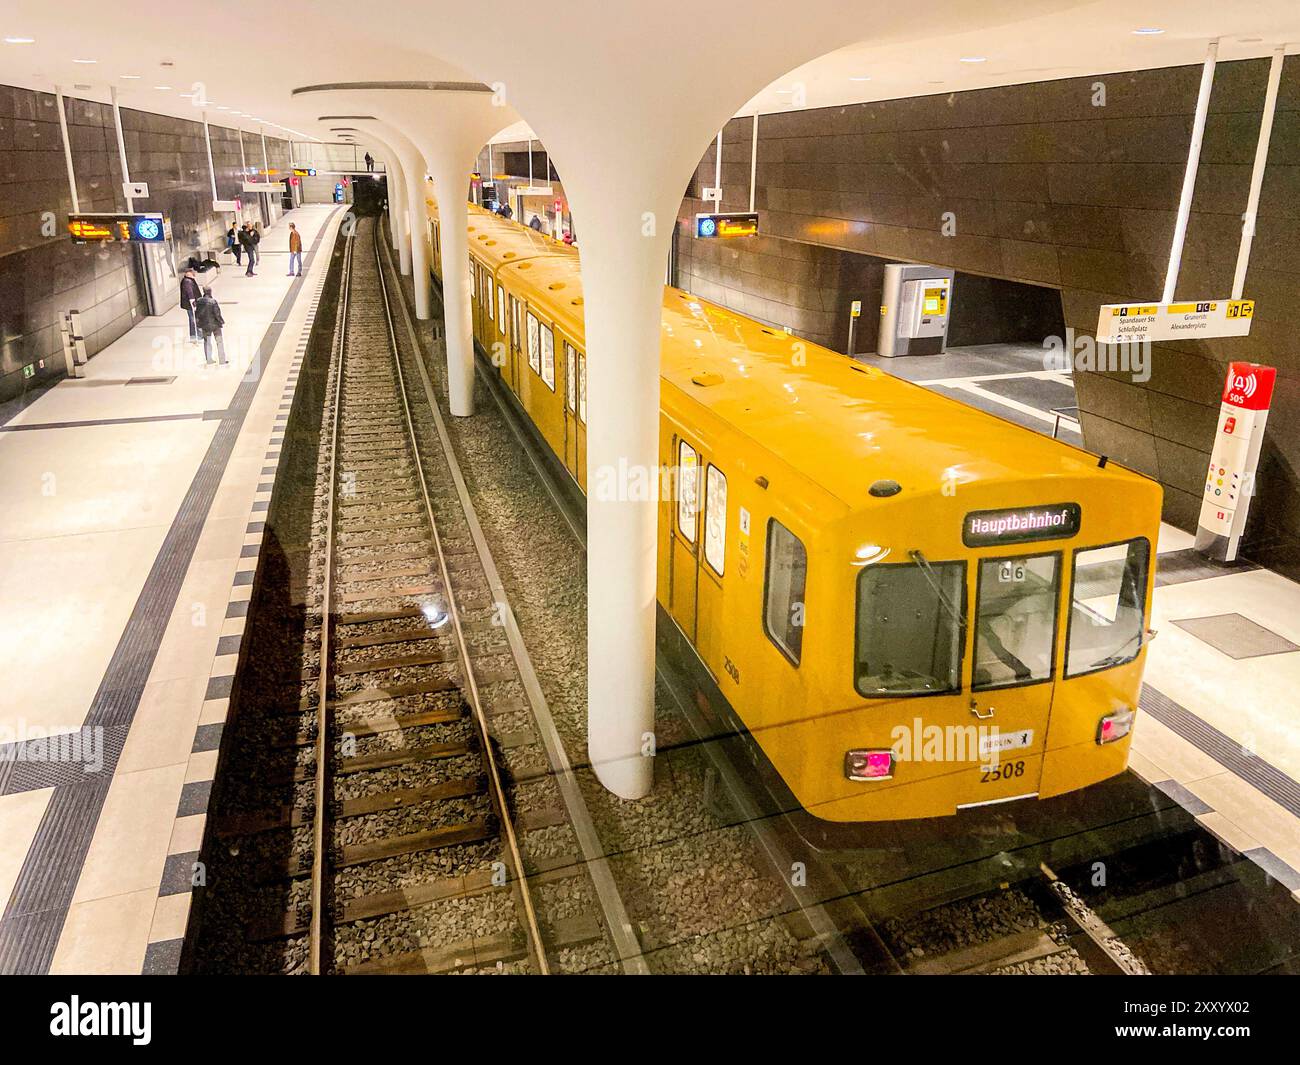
<point>42,893</point>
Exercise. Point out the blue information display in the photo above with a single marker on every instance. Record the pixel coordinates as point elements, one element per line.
<point>726,225</point>
<point>104,228</point>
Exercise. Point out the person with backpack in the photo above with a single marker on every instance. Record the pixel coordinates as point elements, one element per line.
<point>232,243</point>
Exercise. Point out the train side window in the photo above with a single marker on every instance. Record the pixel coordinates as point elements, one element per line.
<point>910,629</point>
<point>473,281</point>
<point>582,387</point>
<point>515,332</point>
<point>688,490</point>
<point>787,581</point>
<point>487,295</point>
<point>501,308</point>
<point>715,519</point>
<point>548,355</point>
<point>534,343</point>
<point>1107,606</point>
<point>570,376</point>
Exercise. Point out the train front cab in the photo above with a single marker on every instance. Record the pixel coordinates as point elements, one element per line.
<point>986,675</point>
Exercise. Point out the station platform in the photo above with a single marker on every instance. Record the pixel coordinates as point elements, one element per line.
<point>131,505</point>
<point>1220,732</point>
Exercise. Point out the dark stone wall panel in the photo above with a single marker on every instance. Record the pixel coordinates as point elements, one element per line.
<point>1048,188</point>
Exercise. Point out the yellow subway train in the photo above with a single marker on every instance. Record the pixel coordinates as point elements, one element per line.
<point>912,606</point>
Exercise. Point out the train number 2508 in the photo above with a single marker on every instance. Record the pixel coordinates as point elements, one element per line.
<point>990,773</point>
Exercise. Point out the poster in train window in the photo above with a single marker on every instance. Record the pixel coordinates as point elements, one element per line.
<point>534,344</point>
<point>548,356</point>
<point>715,519</point>
<point>501,308</point>
<point>570,376</point>
<point>582,387</point>
<point>688,488</point>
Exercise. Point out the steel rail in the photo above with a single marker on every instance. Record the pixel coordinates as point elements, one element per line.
<point>594,854</point>
<point>497,789</point>
<point>316,929</point>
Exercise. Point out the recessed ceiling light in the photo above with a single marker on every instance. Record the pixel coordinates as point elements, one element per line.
<point>20,40</point>
<point>784,92</point>
<point>187,96</point>
<point>223,108</point>
<point>1250,40</point>
<point>860,77</point>
<point>163,88</point>
<point>85,60</point>
<point>1147,31</point>
<point>974,59</point>
<point>130,77</point>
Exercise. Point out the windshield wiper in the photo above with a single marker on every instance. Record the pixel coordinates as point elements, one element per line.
<point>927,571</point>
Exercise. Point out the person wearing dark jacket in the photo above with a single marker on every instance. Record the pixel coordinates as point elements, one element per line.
<point>207,312</point>
<point>232,242</point>
<point>249,240</point>
<point>190,293</point>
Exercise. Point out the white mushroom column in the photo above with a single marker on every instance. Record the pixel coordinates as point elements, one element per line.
<point>448,122</point>
<point>417,218</point>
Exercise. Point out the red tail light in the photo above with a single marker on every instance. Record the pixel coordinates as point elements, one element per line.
<point>869,765</point>
<point>1115,726</point>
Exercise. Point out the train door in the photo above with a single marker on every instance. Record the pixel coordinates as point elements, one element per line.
<point>475,302</point>
<point>501,342</point>
<point>516,345</point>
<point>571,409</point>
<point>580,462</point>
<point>1015,621</point>
<point>698,544</point>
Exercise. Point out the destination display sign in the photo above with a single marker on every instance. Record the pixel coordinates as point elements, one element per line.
<point>1018,525</point>
<point>1196,320</point>
<point>102,228</point>
<point>726,225</point>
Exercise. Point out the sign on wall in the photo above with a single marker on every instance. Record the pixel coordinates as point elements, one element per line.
<point>1195,320</point>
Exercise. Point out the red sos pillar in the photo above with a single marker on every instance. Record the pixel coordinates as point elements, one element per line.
<point>1230,483</point>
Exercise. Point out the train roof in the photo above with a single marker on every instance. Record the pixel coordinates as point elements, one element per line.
<point>841,423</point>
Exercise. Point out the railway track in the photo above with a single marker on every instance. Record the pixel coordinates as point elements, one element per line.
<point>441,837</point>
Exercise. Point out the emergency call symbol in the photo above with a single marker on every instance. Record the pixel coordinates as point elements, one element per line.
<point>1246,385</point>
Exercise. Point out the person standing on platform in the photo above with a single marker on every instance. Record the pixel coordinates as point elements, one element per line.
<point>257,242</point>
<point>295,250</point>
<point>207,312</point>
<point>370,161</point>
<point>190,293</point>
<point>232,243</point>
<point>246,238</point>
<point>536,224</point>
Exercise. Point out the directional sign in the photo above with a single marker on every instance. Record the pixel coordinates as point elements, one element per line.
<point>264,186</point>
<point>100,228</point>
<point>726,225</point>
<point>304,171</point>
<point>1198,320</point>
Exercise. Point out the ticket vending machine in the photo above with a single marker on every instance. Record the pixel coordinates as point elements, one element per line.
<point>915,309</point>
<point>1230,482</point>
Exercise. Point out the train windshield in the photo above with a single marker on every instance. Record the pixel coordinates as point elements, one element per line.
<point>1108,605</point>
<point>909,629</point>
<point>1015,621</point>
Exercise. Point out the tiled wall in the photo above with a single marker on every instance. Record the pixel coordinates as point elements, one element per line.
<point>42,273</point>
<point>1047,187</point>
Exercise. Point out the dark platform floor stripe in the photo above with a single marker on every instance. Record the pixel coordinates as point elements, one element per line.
<point>42,893</point>
<point>1256,772</point>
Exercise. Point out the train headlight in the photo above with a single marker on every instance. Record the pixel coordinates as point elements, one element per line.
<point>1114,727</point>
<point>869,765</point>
